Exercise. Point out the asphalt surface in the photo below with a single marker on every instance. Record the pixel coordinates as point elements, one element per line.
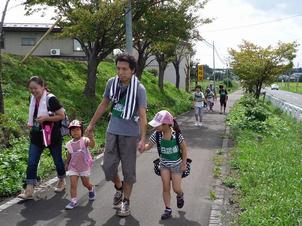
<point>146,202</point>
<point>289,97</point>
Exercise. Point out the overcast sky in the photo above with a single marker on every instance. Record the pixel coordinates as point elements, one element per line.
<point>235,20</point>
<point>263,22</point>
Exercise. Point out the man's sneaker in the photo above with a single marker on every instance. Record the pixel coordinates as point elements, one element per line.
<point>71,205</point>
<point>167,214</point>
<point>91,194</point>
<point>60,185</point>
<point>180,201</point>
<point>124,211</point>
<point>196,124</point>
<point>117,199</point>
<point>200,124</point>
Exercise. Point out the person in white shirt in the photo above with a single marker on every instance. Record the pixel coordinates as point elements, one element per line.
<point>198,103</point>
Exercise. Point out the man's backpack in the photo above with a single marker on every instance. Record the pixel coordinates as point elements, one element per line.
<point>64,122</point>
<point>222,93</point>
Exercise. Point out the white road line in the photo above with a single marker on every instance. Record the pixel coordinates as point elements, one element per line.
<point>41,188</point>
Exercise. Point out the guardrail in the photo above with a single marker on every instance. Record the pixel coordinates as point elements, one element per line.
<point>292,110</point>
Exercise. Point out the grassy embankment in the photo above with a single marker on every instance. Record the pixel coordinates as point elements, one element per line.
<point>266,165</point>
<point>66,79</point>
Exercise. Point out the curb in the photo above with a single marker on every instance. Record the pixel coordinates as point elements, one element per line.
<point>291,109</point>
<point>48,184</point>
<point>41,188</point>
<point>217,209</point>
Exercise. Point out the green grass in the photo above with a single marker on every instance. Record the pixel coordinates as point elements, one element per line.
<point>295,87</point>
<point>268,173</point>
<point>66,79</point>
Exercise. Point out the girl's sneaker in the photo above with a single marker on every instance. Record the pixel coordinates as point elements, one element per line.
<point>180,201</point>
<point>167,214</point>
<point>71,205</point>
<point>91,194</point>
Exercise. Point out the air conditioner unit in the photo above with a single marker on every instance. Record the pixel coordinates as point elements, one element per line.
<point>55,52</point>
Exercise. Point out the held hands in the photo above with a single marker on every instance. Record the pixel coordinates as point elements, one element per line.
<point>89,131</point>
<point>90,135</point>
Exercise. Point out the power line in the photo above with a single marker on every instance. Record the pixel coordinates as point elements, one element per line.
<point>221,60</point>
<point>253,25</point>
<point>216,51</point>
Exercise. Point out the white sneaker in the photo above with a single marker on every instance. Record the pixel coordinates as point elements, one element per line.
<point>124,211</point>
<point>200,124</point>
<point>196,124</point>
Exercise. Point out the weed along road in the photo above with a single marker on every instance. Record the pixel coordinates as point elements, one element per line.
<point>146,203</point>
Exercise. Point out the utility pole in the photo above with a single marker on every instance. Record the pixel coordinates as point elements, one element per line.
<point>214,66</point>
<point>1,69</point>
<point>128,18</point>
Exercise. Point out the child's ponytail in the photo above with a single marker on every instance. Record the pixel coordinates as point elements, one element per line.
<point>176,127</point>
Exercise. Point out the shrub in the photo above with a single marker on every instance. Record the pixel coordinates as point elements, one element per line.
<point>9,129</point>
<point>13,167</point>
<point>153,71</point>
<point>228,83</point>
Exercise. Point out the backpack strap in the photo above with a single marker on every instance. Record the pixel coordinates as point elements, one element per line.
<point>48,96</point>
<point>177,140</point>
<point>82,144</point>
<point>157,139</point>
<point>69,148</point>
<point>88,157</point>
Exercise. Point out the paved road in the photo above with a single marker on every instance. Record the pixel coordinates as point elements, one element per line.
<point>292,98</point>
<point>146,202</point>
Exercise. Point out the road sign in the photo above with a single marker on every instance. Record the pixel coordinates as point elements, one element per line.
<point>200,73</point>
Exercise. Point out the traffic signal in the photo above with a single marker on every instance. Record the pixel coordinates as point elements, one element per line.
<point>200,73</point>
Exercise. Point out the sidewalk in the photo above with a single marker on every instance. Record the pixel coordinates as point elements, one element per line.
<point>146,201</point>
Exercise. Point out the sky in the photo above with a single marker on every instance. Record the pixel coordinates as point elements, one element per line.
<point>263,22</point>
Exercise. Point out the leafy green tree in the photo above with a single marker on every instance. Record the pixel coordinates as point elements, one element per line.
<point>164,21</point>
<point>181,52</point>
<point>164,53</point>
<point>257,66</point>
<point>98,25</point>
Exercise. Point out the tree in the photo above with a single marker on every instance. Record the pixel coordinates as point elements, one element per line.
<point>164,53</point>
<point>1,67</point>
<point>164,22</point>
<point>98,25</point>
<point>256,66</point>
<point>188,69</point>
<point>180,53</point>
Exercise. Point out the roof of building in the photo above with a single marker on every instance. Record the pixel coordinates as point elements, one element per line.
<point>29,27</point>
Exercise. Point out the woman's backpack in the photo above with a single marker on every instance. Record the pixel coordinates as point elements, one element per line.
<point>64,122</point>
